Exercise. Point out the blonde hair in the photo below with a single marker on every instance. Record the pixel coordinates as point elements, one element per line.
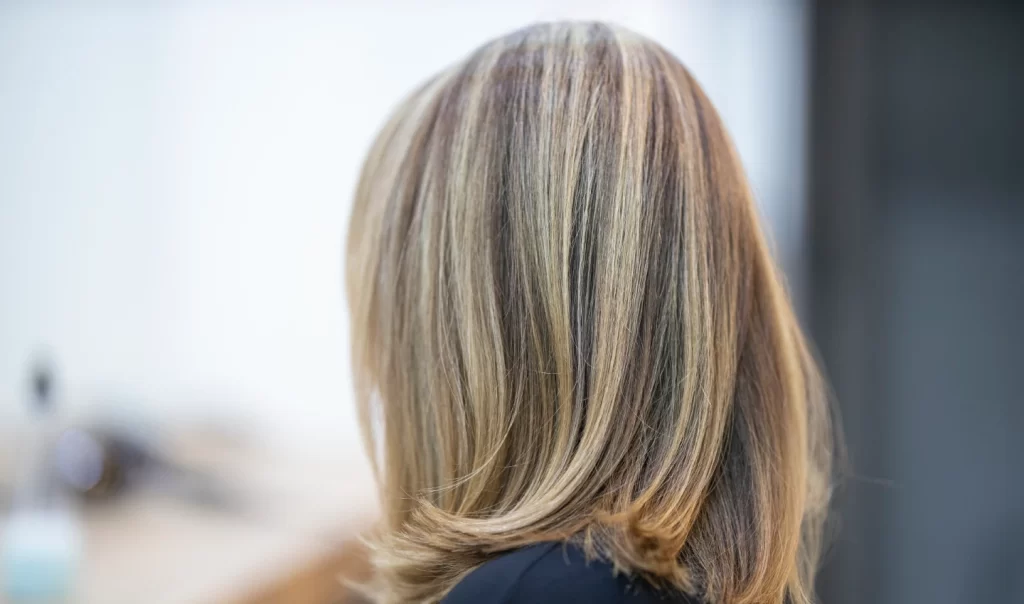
<point>565,312</point>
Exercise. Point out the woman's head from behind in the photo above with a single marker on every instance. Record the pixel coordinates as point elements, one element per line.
<point>566,315</point>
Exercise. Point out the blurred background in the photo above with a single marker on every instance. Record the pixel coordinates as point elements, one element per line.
<point>175,179</point>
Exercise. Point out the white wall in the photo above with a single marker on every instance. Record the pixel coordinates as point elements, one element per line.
<point>175,180</point>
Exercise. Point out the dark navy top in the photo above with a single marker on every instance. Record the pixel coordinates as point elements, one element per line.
<point>549,573</point>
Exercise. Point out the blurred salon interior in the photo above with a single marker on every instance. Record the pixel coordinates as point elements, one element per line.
<point>176,417</point>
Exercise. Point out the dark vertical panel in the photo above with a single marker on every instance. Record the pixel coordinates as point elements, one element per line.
<point>917,294</point>
<point>843,212</point>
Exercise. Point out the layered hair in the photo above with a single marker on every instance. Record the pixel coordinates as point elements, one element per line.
<point>567,325</point>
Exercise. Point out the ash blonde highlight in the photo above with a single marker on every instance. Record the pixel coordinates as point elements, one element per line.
<point>565,309</point>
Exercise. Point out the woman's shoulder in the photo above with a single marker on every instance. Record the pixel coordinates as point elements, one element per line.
<point>554,572</point>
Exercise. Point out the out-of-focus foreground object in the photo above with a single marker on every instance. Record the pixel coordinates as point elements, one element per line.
<point>259,527</point>
<point>41,538</point>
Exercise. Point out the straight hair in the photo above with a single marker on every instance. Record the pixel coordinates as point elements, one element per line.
<point>567,325</point>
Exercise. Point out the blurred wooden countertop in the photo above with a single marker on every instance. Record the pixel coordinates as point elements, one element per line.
<point>292,539</point>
